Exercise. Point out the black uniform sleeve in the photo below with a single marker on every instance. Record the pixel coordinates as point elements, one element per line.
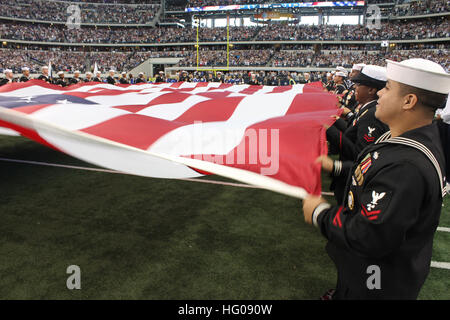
<point>341,168</point>
<point>389,205</point>
<point>366,131</point>
<point>334,137</point>
<point>341,124</point>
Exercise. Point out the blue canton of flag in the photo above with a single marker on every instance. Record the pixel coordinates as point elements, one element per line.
<point>14,102</point>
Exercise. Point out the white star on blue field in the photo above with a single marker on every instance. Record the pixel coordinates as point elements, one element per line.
<point>15,102</point>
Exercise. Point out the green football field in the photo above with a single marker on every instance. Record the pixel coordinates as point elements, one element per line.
<point>142,238</point>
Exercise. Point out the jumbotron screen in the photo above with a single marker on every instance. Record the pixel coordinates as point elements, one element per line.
<point>278,5</point>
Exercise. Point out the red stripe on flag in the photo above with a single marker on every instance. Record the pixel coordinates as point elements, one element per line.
<point>281,89</point>
<point>251,89</point>
<point>214,95</point>
<point>312,102</point>
<point>41,83</point>
<point>173,97</point>
<point>211,110</point>
<point>133,129</point>
<point>102,92</point>
<point>314,87</point>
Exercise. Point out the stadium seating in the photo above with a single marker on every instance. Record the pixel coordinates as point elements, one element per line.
<point>34,32</point>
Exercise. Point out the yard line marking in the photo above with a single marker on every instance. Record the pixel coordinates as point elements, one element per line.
<point>443,229</point>
<point>440,265</point>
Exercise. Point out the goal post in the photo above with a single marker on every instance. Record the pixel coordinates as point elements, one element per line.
<point>197,46</point>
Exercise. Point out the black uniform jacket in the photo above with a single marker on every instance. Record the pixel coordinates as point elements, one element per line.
<point>364,130</point>
<point>340,88</point>
<point>4,81</point>
<point>389,216</point>
<point>45,78</point>
<point>110,80</point>
<point>74,81</point>
<point>61,82</point>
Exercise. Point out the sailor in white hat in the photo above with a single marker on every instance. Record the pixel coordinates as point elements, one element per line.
<point>76,78</point>
<point>110,79</point>
<point>88,77</point>
<point>306,78</point>
<point>98,77</point>
<point>160,77</point>
<point>356,69</point>
<point>9,77</point>
<point>61,81</point>
<point>123,78</point>
<point>25,74</point>
<point>141,78</point>
<point>329,85</point>
<point>355,129</point>
<point>44,74</point>
<point>339,83</point>
<point>386,222</point>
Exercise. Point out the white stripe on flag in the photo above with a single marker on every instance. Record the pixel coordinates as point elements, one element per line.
<point>222,136</point>
<point>77,116</point>
<point>171,111</point>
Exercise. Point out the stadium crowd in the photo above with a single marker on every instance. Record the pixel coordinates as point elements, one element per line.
<point>89,12</point>
<point>69,61</point>
<point>236,58</point>
<point>422,7</point>
<point>292,58</point>
<point>272,78</point>
<point>60,33</point>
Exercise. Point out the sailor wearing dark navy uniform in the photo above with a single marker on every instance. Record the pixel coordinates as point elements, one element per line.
<point>381,237</point>
<point>110,79</point>
<point>329,85</point>
<point>160,77</point>
<point>76,78</point>
<point>26,74</point>
<point>88,77</point>
<point>60,81</point>
<point>9,77</point>
<point>123,78</point>
<point>339,84</point>
<point>98,77</point>
<point>364,130</point>
<point>44,76</point>
<point>350,99</point>
<point>141,78</point>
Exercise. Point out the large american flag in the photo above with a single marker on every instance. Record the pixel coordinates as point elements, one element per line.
<point>262,135</point>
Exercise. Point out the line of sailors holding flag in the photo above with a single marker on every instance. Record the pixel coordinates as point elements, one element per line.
<point>391,153</point>
<point>63,82</point>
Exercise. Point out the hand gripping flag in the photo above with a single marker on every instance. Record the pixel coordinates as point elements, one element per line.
<point>260,135</point>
